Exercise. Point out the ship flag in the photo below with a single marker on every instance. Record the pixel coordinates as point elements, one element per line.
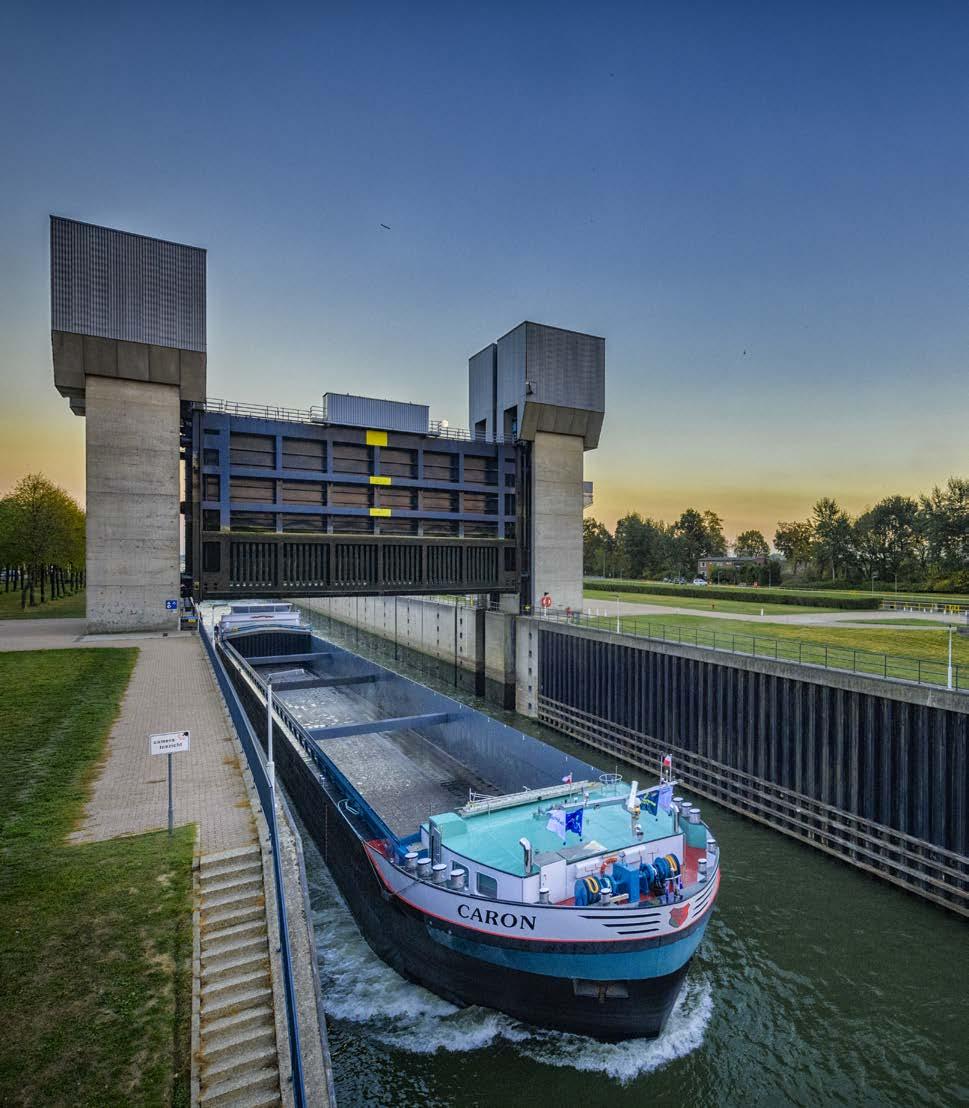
<point>649,804</point>
<point>556,822</point>
<point>567,779</point>
<point>573,822</point>
<point>665,797</point>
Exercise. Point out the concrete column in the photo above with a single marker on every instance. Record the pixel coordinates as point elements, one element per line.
<point>132,504</point>
<point>557,519</point>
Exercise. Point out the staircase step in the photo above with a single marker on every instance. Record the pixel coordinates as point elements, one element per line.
<point>233,948</point>
<point>225,969</point>
<point>218,857</point>
<point>216,991</point>
<point>230,915</point>
<point>216,1009</point>
<point>241,898</point>
<point>244,882</point>
<point>258,1056</point>
<point>230,867</point>
<point>232,1089</point>
<point>215,1047</point>
<point>240,1021</point>
<point>220,939</point>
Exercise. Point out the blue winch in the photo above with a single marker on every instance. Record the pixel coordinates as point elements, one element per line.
<point>590,890</point>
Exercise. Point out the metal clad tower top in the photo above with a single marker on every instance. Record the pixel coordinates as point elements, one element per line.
<point>117,285</point>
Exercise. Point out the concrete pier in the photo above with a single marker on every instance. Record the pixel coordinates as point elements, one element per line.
<point>132,504</point>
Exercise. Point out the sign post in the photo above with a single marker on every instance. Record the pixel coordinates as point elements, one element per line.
<point>169,743</point>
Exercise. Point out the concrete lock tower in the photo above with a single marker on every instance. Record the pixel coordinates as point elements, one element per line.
<point>544,386</point>
<point>128,340</point>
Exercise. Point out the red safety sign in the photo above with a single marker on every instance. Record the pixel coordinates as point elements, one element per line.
<point>546,601</point>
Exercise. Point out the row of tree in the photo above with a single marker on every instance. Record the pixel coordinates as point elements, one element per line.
<point>41,541</point>
<point>921,541</point>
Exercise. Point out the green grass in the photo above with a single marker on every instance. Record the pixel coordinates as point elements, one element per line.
<point>65,607</point>
<point>903,621</point>
<point>95,940</point>
<point>887,594</point>
<point>879,650</point>
<point>741,607</point>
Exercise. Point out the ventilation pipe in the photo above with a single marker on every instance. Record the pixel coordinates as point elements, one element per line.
<point>527,851</point>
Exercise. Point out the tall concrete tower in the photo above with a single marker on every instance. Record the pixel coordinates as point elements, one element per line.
<point>545,386</point>
<point>128,340</point>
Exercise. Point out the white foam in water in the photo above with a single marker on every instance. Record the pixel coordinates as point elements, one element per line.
<point>359,987</point>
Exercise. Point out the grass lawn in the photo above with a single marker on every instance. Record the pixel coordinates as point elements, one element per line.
<point>668,600</point>
<point>880,650</point>
<point>65,607</point>
<point>888,594</point>
<point>95,940</point>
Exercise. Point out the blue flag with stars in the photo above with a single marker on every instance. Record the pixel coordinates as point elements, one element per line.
<point>573,822</point>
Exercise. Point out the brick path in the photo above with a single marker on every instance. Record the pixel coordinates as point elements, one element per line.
<point>171,689</point>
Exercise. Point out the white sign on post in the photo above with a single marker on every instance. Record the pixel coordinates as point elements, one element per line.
<point>173,742</point>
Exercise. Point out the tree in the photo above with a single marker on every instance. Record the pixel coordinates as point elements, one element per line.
<point>642,546</point>
<point>43,532</point>
<point>713,526</point>
<point>832,536</point>
<point>794,540</point>
<point>887,538</point>
<point>751,544</point>
<point>944,523</point>
<point>597,547</point>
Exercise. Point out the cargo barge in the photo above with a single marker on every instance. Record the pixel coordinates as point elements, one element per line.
<point>477,861</point>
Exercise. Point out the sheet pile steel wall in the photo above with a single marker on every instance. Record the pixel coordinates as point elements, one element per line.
<point>874,772</point>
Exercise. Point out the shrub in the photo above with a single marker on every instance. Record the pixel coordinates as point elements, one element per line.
<point>756,596</point>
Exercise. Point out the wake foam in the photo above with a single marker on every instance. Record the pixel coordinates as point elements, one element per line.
<point>360,988</point>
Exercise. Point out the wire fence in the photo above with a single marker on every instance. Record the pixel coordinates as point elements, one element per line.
<point>889,667</point>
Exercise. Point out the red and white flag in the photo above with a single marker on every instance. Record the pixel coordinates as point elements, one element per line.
<point>567,779</point>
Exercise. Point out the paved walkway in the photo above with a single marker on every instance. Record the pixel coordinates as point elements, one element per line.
<point>171,689</point>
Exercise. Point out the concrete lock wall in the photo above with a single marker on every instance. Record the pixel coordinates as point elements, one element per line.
<point>557,519</point>
<point>132,504</point>
<point>480,645</point>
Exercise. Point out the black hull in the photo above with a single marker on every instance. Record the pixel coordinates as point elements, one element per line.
<point>399,936</point>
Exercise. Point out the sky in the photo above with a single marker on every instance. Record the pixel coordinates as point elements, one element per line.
<point>761,206</point>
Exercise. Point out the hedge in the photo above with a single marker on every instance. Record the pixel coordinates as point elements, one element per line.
<point>754,596</point>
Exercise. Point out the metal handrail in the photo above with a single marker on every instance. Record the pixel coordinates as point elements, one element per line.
<point>830,656</point>
<point>437,428</point>
<point>264,788</point>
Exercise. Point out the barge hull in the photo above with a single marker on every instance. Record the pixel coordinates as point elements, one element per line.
<point>602,1010</point>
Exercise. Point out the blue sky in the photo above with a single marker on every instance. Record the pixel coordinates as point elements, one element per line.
<point>761,206</point>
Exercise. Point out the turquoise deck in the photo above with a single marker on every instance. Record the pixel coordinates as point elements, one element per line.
<point>491,838</point>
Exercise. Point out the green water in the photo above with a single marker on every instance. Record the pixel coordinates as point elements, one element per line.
<point>814,985</point>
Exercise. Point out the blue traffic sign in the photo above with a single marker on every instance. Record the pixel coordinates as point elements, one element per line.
<point>171,605</point>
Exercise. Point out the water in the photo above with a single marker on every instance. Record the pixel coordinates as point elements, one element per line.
<point>814,985</point>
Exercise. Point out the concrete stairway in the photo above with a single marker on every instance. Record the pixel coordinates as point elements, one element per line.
<point>237,1063</point>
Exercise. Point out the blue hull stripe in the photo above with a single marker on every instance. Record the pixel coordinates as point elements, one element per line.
<point>654,961</point>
